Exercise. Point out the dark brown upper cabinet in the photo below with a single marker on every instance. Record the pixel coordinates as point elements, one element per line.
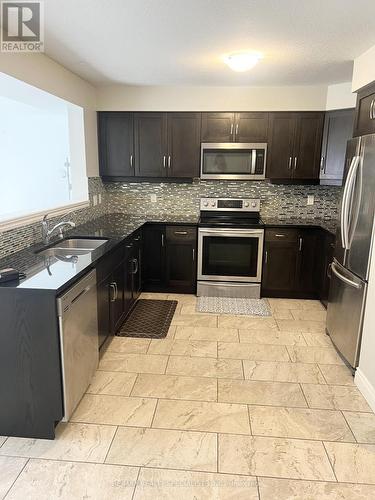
<point>116,144</point>
<point>184,130</point>
<point>294,146</point>
<point>365,112</point>
<point>150,144</point>
<point>235,127</point>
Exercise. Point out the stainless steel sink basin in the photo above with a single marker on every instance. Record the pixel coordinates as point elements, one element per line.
<point>73,246</point>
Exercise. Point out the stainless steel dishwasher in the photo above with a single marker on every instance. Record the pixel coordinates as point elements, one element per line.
<point>78,323</point>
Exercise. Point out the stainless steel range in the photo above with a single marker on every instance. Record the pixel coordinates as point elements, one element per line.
<point>230,248</point>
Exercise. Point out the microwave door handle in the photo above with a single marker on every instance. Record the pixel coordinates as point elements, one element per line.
<point>253,160</point>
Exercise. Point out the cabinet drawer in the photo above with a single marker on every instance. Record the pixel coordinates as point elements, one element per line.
<point>109,262</point>
<point>281,234</point>
<point>181,233</point>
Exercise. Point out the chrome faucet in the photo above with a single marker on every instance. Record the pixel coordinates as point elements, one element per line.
<point>46,233</point>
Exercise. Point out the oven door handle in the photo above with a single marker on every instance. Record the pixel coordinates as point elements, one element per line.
<point>231,232</point>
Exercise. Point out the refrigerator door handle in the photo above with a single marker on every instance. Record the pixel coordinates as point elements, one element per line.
<point>345,208</point>
<point>353,217</point>
<point>344,278</point>
<point>343,218</point>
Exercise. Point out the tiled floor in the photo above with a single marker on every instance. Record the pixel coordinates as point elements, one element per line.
<point>226,407</point>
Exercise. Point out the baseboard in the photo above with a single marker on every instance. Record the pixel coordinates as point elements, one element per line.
<point>367,390</point>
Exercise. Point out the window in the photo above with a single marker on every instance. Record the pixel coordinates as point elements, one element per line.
<point>42,152</point>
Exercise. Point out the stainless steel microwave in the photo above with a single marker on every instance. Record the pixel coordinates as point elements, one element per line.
<point>233,161</point>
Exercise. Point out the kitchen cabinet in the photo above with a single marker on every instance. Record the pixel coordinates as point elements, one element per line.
<point>294,146</point>
<point>169,258</point>
<point>183,144</point>
<point>327,248</point>
<point>364,122</point>
<point>235,127</point>
<point>150,144</point>
<point>116,140</point>
<point>290,263</point>
<point>338,129</point>
<point>181,251</point>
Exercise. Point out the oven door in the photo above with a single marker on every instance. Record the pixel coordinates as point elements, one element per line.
<point>233,255</point>
<point>233,161</point>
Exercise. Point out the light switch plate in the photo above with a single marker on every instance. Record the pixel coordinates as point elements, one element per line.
<point>95,200</point>
<point>99,198</point>
<point>310,199</point>
<point>153,198</point>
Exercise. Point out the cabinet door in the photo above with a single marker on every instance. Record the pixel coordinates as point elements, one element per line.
<point>150,144</point>
<point>280,153</point>
<point>104,327</point>
<point>307,147</point>
<point>128,279</point>
<point>251,127</point>
<point>328,246</point>
<point>217,127</point>
<point>183,144</point>
<point>308,263</point>
<point>153,257</point>
<point>117,297</point>
<point>136,257</point>
<point>116,148</point>
<point>280,263</point>
<point>338,129</point>
<point>365,113</point>
<point>181,258</point>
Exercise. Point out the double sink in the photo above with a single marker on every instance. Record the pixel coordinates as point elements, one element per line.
<point>73,246</point>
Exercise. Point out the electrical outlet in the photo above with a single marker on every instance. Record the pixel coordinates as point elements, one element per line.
<point>95,200</point>
<point>99,198</point>
<point>310,199</point>
<point>153,198</point>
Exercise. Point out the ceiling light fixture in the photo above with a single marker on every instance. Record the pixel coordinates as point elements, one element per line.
<point>242,61</point>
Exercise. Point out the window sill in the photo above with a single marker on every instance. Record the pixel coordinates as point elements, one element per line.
<point>9,224</point>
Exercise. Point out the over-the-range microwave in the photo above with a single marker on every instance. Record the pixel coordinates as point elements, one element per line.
<point>233,161</point>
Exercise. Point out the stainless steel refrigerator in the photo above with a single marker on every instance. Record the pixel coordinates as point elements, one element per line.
<point>350,267</point>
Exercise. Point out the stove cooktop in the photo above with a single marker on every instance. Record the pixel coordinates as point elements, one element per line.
<point>232,222</point>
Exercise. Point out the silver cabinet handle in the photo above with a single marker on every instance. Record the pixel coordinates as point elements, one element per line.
<point>322,165</point>
<point>344,278</point>
<point>131,161</point>
<point>280,235</point>
<point>236,129</point>
<point>231,129</point>
<point>164,161</point>
<point>135,266</point>
<point>290,163</point>
<point>300,244</point>
<point>169,161</point>
<point>295,163</point>
<point>371,110</point>
<point>112,287</point>
<point>162,239</point>
<point>266,257</point>
<point>193,254</point>
<point>182,233</point>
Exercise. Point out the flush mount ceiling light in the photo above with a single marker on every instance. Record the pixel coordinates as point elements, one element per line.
<point>242,61</point>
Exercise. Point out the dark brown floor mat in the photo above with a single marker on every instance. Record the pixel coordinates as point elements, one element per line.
<point>149,319</point>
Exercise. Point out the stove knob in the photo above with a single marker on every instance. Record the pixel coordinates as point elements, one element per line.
<point>205,203</point>
<point>254,204</point>
<point>213,204</point>
<point>246,204</point>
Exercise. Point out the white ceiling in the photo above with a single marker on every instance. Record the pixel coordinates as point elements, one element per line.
<point>180,42</point>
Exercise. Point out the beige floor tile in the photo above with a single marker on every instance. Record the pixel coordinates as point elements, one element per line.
<point>154,296</point>
<point>277,457</point>
<point>157,484</point>
<point>115,410</point>
<point>205,367</point>
<point>300,423</point>
<point>76,442</point>
<point>256,352</point>
<point>2,440</point>
<point>164,448</point>
<point>271,337</point>
<point>129,345</point>
<point>46,480</point>
<point>309,314</point>
<point>337,375</point>
<point>282,314</point>
<point>321,355</point>
<point>206,333</point>
<point>317,340</point>
<point>308,373</point>
<point>260,393</point>
<point>113,383</point>
<point>188,308</point>
<point>286,325</point>
<point>285,489</point>
<point>247,322</point>
<point>335,397</point>
<point>10,467</point>
<point>279,304</point>
<point>362,425</point>
<point>175,387</point>
<point>177,347</point>
<point>199,416</point>
<point>134,363</point>
<point>352,462</point>
<point>185,298</point>
<point>209,320</point>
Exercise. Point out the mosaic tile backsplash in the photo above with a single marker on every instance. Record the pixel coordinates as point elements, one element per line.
<point>280,201</point>
<point>277,201</point>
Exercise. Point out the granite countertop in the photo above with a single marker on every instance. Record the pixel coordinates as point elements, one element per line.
<point>329,225</point>
<point>51,273</point>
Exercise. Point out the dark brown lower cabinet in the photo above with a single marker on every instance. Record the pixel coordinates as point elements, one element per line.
<point>327,244</point>
<point>291,263</point>
<point>169,258</point>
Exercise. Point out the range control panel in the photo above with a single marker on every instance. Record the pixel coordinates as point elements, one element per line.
<point>230,204</point>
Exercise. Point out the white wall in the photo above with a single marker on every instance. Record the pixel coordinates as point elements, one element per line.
<point>340,96</point>
<point>151,98</point>
<point>364,69</point>
<point>44,73</point>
